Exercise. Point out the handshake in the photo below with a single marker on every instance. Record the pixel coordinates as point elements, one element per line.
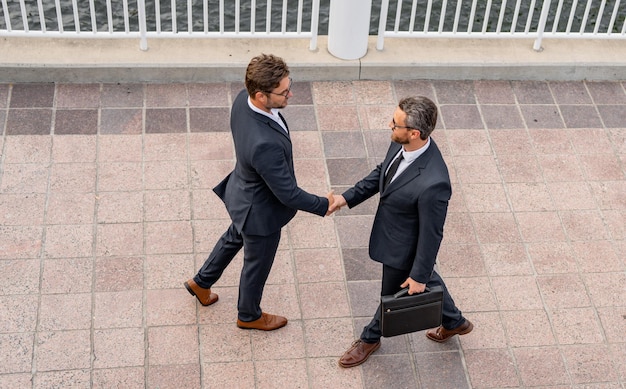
<point>335,202</point>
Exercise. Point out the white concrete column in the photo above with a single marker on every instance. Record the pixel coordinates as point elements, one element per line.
<point>348,28</point>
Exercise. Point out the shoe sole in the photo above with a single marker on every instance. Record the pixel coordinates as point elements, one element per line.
<point>196,296</point>
<point>361,362</point>
<point>261,329</point>
<point>465,331</point>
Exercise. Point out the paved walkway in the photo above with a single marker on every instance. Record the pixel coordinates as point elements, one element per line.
<point>106,208</point>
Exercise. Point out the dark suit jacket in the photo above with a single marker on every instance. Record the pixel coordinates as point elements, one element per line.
<point>261,194</point>
<point>408,226</point>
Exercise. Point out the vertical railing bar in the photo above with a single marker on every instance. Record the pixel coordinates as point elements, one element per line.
<point>583,24</point>
<point>173,12</point>
<point>557,17</point>
<point>396,23</point>
<point>470,22</point>
<point>5,11</point>
<point>57,5</point>
<point>42,19</point>
<point>109,16</point>
<point>487,14</point>
<point>412,21</point>
<point>429,10</point>
<point>268,16</point>
<point>222,16</point>
<point>382,24</point>
<point>314,24</point>
<point>624,27</point>
<point>157,15</point>
<point>457,16</point>
<point>515,17</point>
<point>205,15</point>
<point>529,19</point>
<point>442,17</point>
<point>141,15</point>
<point>613,17</point>
<point>501,17</point>
<point>24,16</point>
<point>543,18</point>
<point>300,10</point>
<point>237,11</point>
<point>92,12</point>
<point>571,17</point>
<point>76,17</point>
<point>284,15</point>
<point>126,24</point>
<point>189,16</point>
<point>253,16</point>
<point>599,18</point>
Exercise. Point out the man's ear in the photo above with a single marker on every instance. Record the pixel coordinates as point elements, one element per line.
<point>259,95</point>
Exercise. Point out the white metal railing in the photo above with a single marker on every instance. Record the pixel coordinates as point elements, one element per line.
<point>204,18</point>
<point>503,19</point>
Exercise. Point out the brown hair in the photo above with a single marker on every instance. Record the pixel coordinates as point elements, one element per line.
<point>421,114</point>
<point>264,73</point>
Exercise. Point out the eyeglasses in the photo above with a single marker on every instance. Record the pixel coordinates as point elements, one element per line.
<point>285,93</point>
<point>394,126</point>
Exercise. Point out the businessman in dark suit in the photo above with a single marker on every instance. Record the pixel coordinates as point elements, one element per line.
<point>261,194</point>
<point>414,189</point>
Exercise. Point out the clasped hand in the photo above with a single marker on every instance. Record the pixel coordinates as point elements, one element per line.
<point>335,202</point>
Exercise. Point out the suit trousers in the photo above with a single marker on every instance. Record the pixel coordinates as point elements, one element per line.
<point>258,258</point>
<point>392,279</point>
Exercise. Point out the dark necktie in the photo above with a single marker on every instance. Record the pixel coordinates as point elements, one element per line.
<point>392,171</point>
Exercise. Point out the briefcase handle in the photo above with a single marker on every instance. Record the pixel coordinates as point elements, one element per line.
<point>406,291</point>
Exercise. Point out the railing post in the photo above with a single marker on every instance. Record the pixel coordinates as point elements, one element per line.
<point>382,24</point>
<point>543,19</point>
<point>348,28</point>
<point>141,14</point>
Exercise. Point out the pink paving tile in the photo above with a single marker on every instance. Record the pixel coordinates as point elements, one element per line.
<point>208,95</point>
<point>119,239</point>
<point>571,195</point>
<point>169,237</point>
<point>168,271</point>
<point>373,92</point>
<point>601,167</point>
<point>282,269</point>
<point>560,167</point>
<point>527,328</point>
<point>122,95</point>
<point>73,177</point>
<point>516,293</point>
<point>323,300</point>
<point>491,368</point>
<point>478,169</point>
<point>63,378</point>
<point>206,205</point>
<point>519,168</point>
<point>563,291</point>
<point>495,228</point>
<point>207,174</point>
<point>552,257</point>
<point>20,380</point>
<point>70,208</point>
<point>118,309</point>
<point>597,256</point>
<point>117,274</point>
<point>206,233</point>
<point>326,373</point>
<point>618,139</point>
<point>610,194</point>
<point>459,229</point>
<point>174,376</point>
<point>214,146</point>
<point>485,198</point>
<point>541,366</point>
<point>27,149</point>
<point>601,143</point>
<point>108,343</point>
<point>613,323</point>
<point>307,144</point>
<point>318,265</point>
<point>166,95</point>
<point>63,241</point>
<point>17,355</point>
<point>333,92</point>
<point>540,226</point>
<point>551,141</point>
<point>530,196</point>
<point>576,326</point>
<point>21,209</point>
<point>488,332</point>
<point>78,95</point>
<point>236,375</point>
<point>311,173</point>
<point>224,343</point>
<point>18,312</point>
<point>469,142</point>
<point>20,241</point>
<point>166,175</point>
<point>472,293</point>
<point>289,373</point>
<point>173,345</point>
<point>494,91</point>
<point>119,148</point>
<point>588,363</point>
<point>166,307</point>
<point>120,207</point>
<point>508,142</point>
<point>506,259</point>
<point>121,121</point>
<point>120,176</point>
<point>460,260</point>
<point>63,350</point>
<point>606,289</point>
<point>312,232</point>
<point>75,148</point>
<point>65,312</point>
<point>583,225</point>
<point>224,311</point>
<point>281,300</point>
<point>165,147</point>
<point>130,377</point>
<point>376,118</point>
<point>286,343</point>
<point>67,275</point>
<point>338,118</point>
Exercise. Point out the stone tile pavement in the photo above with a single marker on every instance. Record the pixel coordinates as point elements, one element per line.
<point>106,208</point>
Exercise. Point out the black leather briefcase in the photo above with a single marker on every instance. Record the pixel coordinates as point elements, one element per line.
<point>403,313</point>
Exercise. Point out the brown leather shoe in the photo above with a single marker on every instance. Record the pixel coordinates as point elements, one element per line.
<point>441,335</point>
<point>266,322</point>
<point>358,353</point>
<point>202,294</point>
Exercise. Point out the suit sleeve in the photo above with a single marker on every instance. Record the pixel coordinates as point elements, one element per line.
<point>270,162</point>
<point>363,189</point>
<point>432,208</point>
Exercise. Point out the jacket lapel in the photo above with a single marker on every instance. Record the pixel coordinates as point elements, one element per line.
<point>412,171</point>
